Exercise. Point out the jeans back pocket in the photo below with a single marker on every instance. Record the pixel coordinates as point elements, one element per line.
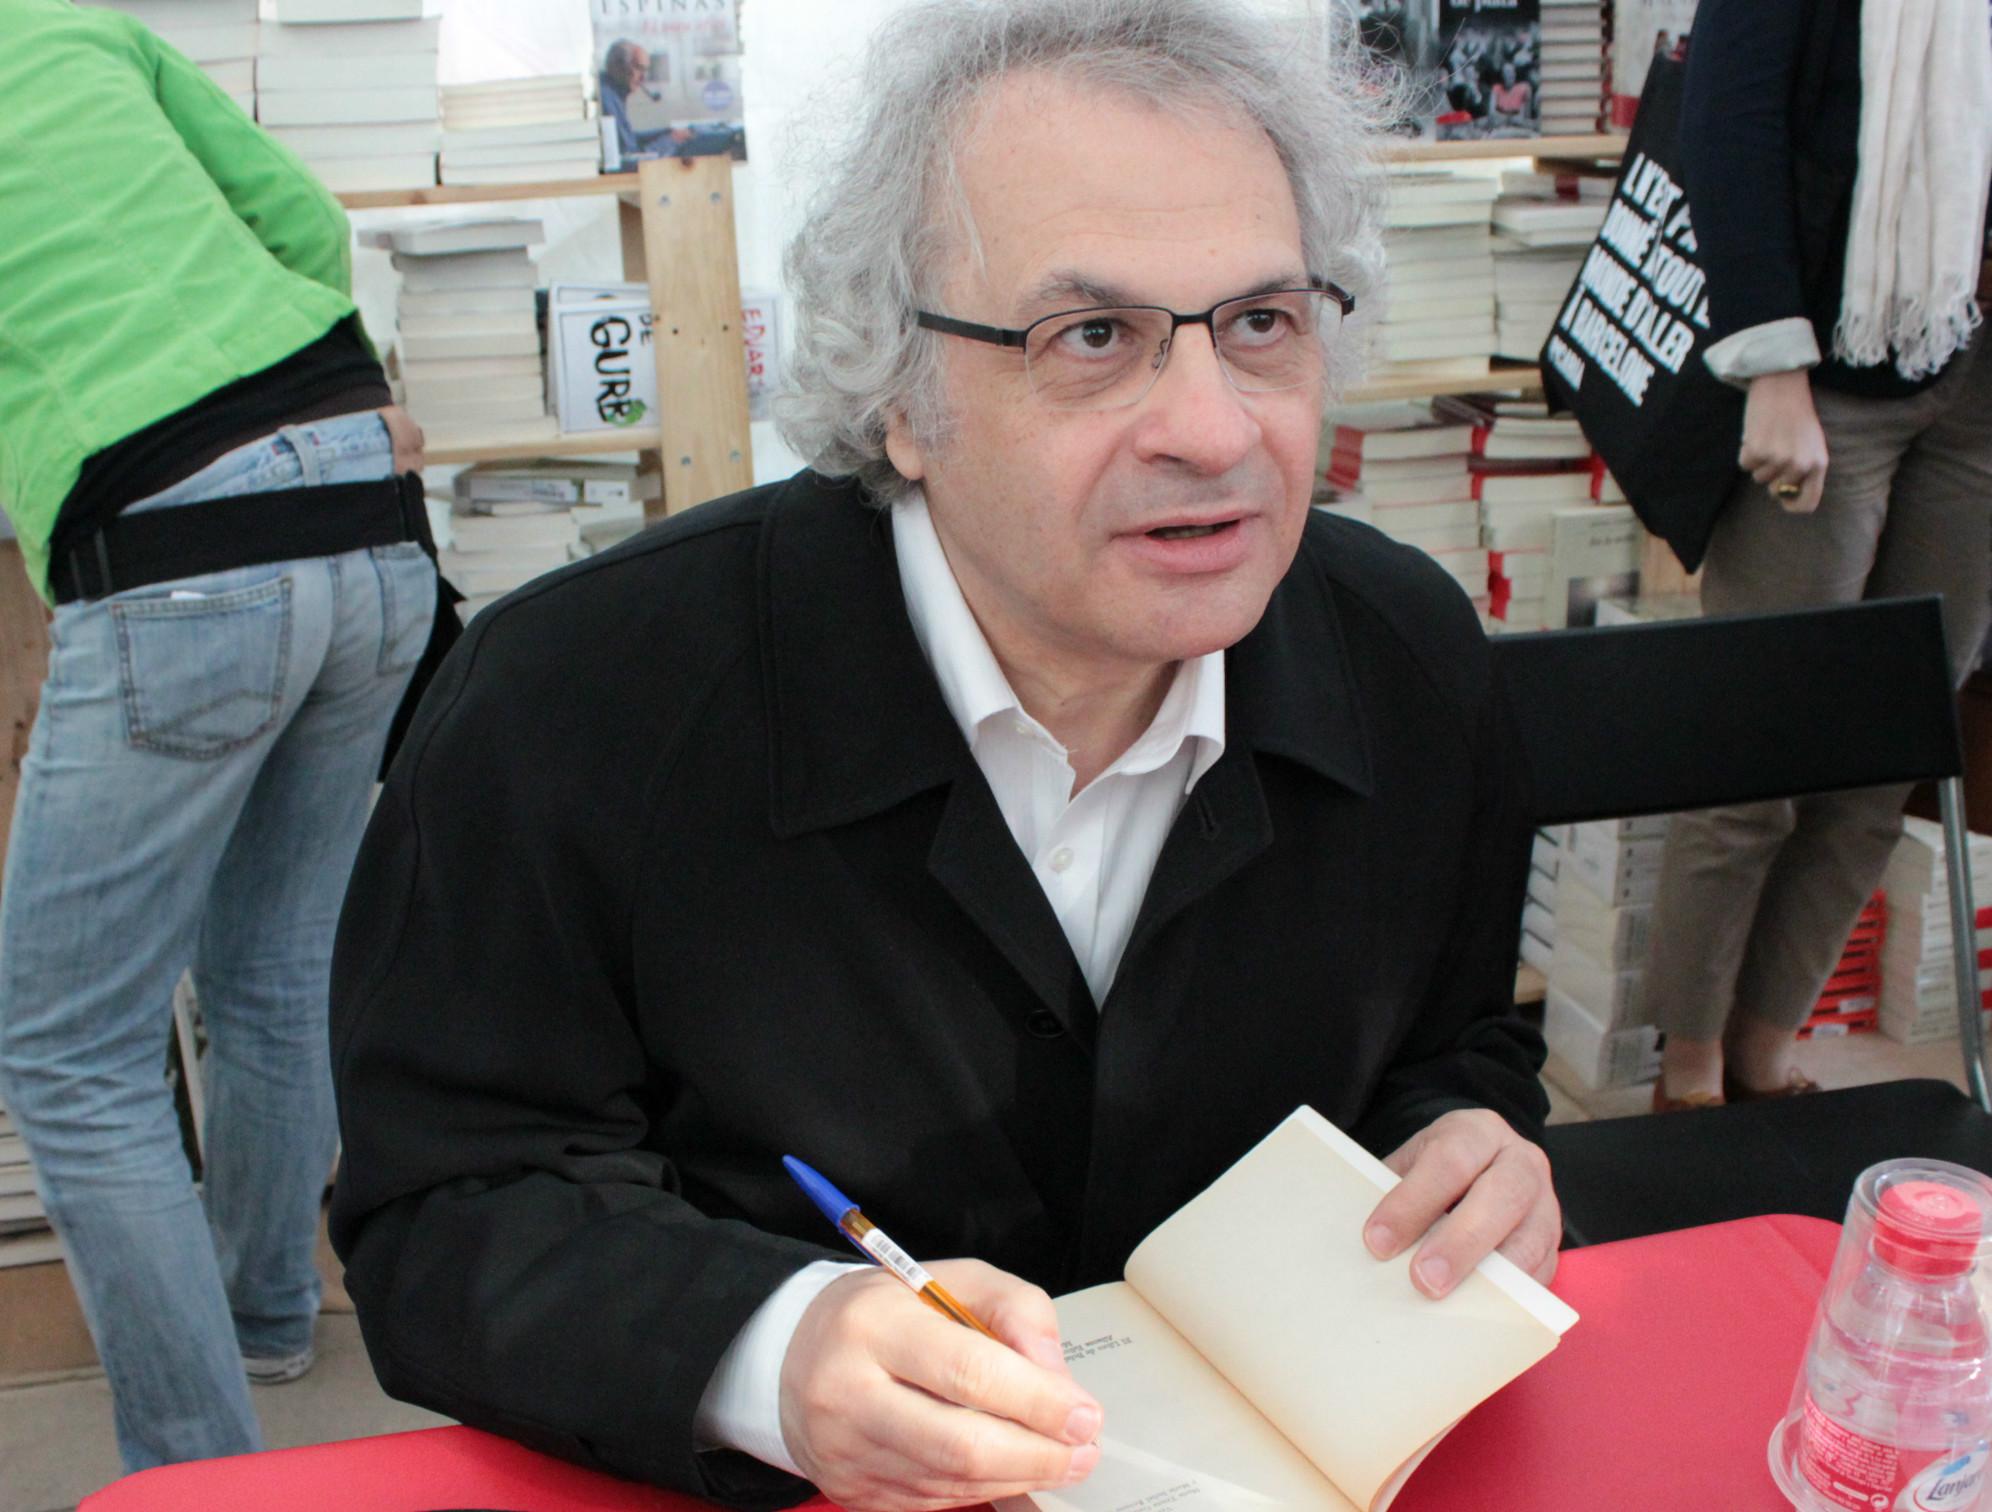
<point>201,677</point>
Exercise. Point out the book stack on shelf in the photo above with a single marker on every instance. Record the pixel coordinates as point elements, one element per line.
<point>1850,1001</point>
<point>25,1238</point>
<point>515,131</point>
<point>350,86</point>
<point>1918,976</point>
<point>1595,1011</point>
<point>218,36</point>
<point>1539,913</point>
<point>1525,463</point>
<point>1438,303</point>
<point>496,547</point>
<point>605,497</point>
<point>1576,41</point>
<point>1543,225</point>
<point>1410,469</point>
<point>467,329</point>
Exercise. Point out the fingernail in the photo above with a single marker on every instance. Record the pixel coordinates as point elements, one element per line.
<point>1084,1458</point>
<point>1435,1273</point>
<point>1381,1239</point>
<point>1082,1423</point>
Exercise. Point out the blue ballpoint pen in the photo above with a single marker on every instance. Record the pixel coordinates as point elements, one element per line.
<point>876,1247</point>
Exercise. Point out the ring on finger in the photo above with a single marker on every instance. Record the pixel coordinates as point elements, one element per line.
<point>1786,489</point>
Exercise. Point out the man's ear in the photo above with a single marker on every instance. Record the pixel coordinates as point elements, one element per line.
<point>905,453</point>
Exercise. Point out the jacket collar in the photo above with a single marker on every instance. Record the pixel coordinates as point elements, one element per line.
<point>845,747</point>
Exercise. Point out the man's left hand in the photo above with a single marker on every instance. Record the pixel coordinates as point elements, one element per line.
<point>1477,1186</point>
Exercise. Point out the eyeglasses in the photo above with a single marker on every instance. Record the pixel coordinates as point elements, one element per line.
<point>1109,356</point>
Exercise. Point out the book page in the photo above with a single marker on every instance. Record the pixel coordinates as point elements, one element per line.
<point>1177,1435</point>
<point>1266,1275</point>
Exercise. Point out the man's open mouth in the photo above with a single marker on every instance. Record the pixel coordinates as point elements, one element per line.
<point>1187,532</point>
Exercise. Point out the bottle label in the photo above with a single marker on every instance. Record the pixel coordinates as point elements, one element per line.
<point>1850,1470</point>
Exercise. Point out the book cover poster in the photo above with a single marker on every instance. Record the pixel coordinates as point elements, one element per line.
<point>668,76</point>
<point>1643,30</point>
<point>1466,69</point>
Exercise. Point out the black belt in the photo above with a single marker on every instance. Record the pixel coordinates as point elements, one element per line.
<point>248,530</point>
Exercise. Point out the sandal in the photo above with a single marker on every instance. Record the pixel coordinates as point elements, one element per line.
<point>1797,1085</point>
<point>1662,1103</point>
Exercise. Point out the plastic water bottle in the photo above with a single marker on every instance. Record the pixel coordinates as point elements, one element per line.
<point>1896,1409</point>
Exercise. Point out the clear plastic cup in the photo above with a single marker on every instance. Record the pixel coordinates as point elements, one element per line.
<point>1892,1408</point>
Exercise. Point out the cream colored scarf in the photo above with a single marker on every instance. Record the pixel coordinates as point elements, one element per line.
<point>1917,238</point>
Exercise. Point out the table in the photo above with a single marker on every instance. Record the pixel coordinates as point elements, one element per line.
<point>1663,1396</point>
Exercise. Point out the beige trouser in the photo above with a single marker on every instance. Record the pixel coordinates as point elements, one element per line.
<point>1756,901</point>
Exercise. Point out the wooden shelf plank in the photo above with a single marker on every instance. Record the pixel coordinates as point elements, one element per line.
<point>1523,375</point>
<point>1602,145</point>
<point>497,448</point>
<point>477,194</point>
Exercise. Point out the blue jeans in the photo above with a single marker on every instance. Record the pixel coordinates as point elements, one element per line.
<point>193,794</point>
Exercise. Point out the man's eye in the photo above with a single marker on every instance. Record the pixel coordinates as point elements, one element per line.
<point>1095,335</point>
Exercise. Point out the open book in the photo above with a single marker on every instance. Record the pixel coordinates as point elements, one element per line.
<point>1258,1356</point>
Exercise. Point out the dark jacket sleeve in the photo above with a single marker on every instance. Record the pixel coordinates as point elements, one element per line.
<point>1468,1046</point>
<point>1736,159</point>
<point>515,1241</point>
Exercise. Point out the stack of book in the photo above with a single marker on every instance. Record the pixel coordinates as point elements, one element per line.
<point>1918,976</point>
<point>606,498</point>
<point>1595,1013</point>
<point>1535,263</point>
<point>1850,1001</point>
<point>1575,53</point>
<point>514,131</point>
<point>1411,469</point>
<point>497,546</point>
<point>350,86</point>
<point>468,346</point>
<point>24,1233</point>
<point>1438,305</point>
<point>219,36</point>
<point>1539,913</point>
<point>1526,464</point>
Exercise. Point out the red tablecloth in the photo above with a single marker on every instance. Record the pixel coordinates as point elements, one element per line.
<point>1663,1397</point>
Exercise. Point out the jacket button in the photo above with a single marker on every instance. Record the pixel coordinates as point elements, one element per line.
<point>1044,1024</point>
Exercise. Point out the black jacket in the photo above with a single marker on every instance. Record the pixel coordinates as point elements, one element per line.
<point>1771,181</point>
<point>686,865</point>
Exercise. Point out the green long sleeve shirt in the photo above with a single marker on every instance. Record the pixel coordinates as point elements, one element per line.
<point>155,245</point>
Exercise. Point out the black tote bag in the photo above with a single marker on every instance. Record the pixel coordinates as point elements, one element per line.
<point>1626,353</point>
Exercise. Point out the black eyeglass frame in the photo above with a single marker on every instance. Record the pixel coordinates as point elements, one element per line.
<point>1003,336</point>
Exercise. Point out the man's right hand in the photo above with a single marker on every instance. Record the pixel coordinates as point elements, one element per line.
<point>889,1407</point>
<point>1782,439</point>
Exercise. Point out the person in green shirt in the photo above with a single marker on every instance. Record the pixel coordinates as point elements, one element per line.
<point>199,455</point>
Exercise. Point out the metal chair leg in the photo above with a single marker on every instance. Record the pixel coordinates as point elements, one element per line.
<point>1964,940</point>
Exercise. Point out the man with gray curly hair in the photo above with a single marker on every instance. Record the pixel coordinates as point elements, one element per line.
<point>1016,815</point>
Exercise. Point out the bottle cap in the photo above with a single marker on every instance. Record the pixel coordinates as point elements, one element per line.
<point>1928,1228</point>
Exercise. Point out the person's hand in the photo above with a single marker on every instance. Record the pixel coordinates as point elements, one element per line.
<point>1477,1186</point>
<point>889,1407</point>
<point>407,438</point>
<point>1783,445</point>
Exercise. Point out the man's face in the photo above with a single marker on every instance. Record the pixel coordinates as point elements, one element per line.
<point>1048,516</point>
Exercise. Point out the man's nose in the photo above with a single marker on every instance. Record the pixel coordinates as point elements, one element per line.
<point>1193,414</point>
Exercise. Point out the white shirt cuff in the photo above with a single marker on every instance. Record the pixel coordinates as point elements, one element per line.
<point>741,1408</point>
<point>1776,346</point>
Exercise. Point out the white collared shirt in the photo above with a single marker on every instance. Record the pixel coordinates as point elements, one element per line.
<point>1092,853</point>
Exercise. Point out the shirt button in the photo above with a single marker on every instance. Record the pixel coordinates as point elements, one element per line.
<point>1020,727</point>
<point>1044,1024</point>
<point>1061,858</point>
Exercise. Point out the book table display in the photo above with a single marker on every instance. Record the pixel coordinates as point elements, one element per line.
<point>1664,1396</point>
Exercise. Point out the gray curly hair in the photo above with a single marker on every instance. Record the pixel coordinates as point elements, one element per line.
<point>888,206</point>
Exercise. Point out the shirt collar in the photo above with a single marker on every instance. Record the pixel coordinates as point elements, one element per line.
<point>974,686</point>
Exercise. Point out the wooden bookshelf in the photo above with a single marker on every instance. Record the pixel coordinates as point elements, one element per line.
<point>1602,145</point>
<point>498,447</point>
<point>479,194</point>
<point>1504,375</point>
